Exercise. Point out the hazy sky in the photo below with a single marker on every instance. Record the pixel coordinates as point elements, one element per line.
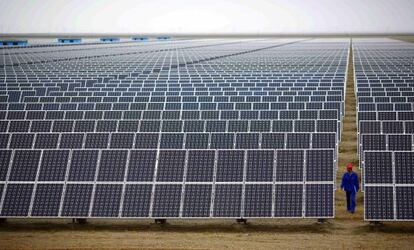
<point>206,16</point>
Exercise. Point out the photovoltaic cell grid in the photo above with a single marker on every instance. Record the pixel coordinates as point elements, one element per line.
<point>384,86</point>
<point>191,128</point>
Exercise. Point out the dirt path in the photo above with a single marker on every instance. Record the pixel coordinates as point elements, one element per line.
<point>348,148</point>
<point>344,232</point>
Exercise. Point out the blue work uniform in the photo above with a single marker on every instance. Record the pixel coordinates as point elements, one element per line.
<point>350,184</point>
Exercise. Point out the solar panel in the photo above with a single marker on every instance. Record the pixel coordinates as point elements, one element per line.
<point>172,141</point>
<point>258,201</point>
<point>141,165</point>
<point>53,165</point>
<point>404,206</point>
<point>17,200</point>
<point>106,201</point>
<point>77,200</point>
<point>230,166</point>
<point>404,173</point>
<point>5,157</point>
<point>289,166</point>
<point>227,200</point>
<point>247,140</point>
<point>146,140</point>
<point>197,200</point>
<point>196,141</point>
<point>71,141</point>
<point>171,165</point>
<point>318,200</point>
<point>289,200</point>
<point>222,141</point>
<point>319,166</point>
<point>83,165</point>
<point>296,140</point>
<point>200,166</point>
<point>167,200</point>
<point>379,204</point>
<point>122,140</point>
<point>137,200</point>
<point>400,142</point>
<point>47,200</point>
<point>21,141</point>
<point>24,166</point>
<point>260,165</point>
<point>112,165</point>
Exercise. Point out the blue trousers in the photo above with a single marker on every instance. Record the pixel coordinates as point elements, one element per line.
<point>350,201</point>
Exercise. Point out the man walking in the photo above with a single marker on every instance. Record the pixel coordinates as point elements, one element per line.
<point>350,184</point>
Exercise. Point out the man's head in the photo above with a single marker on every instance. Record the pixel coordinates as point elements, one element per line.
<point>349,167</point>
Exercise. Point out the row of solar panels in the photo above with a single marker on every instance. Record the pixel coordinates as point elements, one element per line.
<point>385,115</point>
<point>183,174</point>
<point>387,86</point>
<point>28,96</point>
<point>311,165</point>
<point>385,93</point>
<point>168,201</point>
<point>377,106</point>
<point>182,170</point>
<point>172,140</point>
<point>243,89</point>
<point>386,99</point>
<point>262,125</point>
<point>385,136</point>
<point>391,142</point>
<point>193,72</point>
<point>212,107</point>
<point>386,127</point>
<point>181,76</point>
<point>180,99</point>
<point>391,167</point>
<point>109,114</point>
<point>385,80</point>
<point>389,202</point>
<point>175,59</point>
<point>404,91</point>
<point>165,91</point>
<point>231,79</point>
<point>32,56</point>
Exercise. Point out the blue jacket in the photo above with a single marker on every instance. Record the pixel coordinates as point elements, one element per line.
<point>350,182</point>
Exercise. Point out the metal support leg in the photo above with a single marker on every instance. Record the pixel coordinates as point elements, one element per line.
<point>79,221</point>
<point>240,221</point>
<point>375,223</point>
<point>321,221</point>
<point>161,221</point>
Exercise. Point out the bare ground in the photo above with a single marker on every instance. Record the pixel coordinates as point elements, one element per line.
<point>404,38</point>
<point>344,232</point>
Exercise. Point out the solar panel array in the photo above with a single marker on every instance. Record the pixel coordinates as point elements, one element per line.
<point>175,129</point>
<point>385,90</point>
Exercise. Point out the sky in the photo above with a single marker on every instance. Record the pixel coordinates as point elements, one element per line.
<point>207,16</point>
